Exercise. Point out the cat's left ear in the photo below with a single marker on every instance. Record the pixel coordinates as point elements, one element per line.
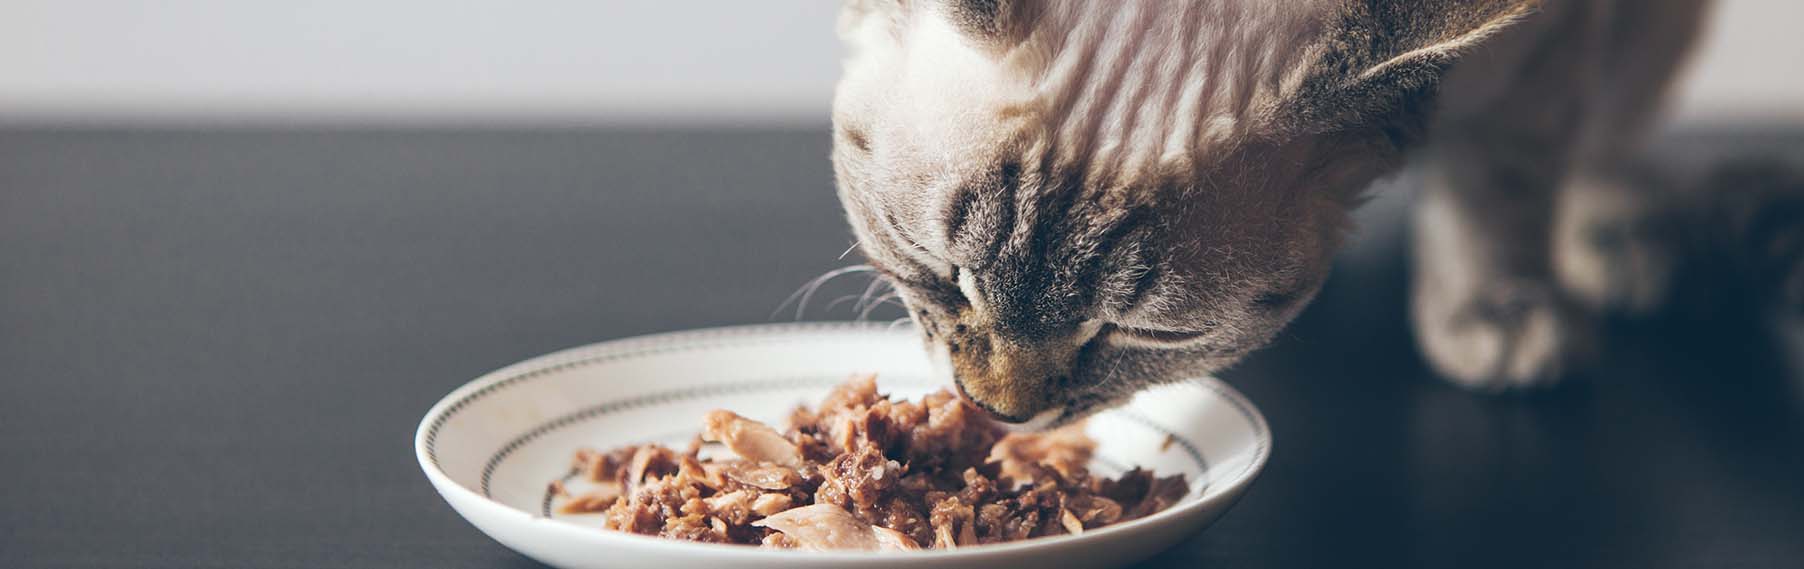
<point>1384,61</point>
<point>992,25</point>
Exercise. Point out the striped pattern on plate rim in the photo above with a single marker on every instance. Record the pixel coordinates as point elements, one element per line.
<point>617,350</point>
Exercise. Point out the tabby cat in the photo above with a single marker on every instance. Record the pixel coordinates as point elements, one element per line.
<point>1077,200</point>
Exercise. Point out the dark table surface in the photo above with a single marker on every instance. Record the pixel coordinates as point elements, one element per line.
<point>216,346</point>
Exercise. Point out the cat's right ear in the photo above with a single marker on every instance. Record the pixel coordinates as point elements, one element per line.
<point>1384,62</point>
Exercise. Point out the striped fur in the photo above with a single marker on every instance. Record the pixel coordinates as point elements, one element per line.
<point>1081,199</point>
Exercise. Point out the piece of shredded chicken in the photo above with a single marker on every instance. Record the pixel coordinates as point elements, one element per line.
<point>749,439</point>
<point>824,527</point>
<point>863,472</point>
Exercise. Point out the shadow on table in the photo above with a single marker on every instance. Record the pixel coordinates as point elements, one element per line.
<point>1678,446</point>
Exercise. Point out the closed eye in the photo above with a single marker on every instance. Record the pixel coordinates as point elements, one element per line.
<point>1153,337</point>
<point>1277,300</point>
<point>923,283</point>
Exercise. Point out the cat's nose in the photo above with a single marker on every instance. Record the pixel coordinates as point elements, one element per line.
<point>1013,414</point>
<point>1011,385</point>
<point>1016,420</point>
<point>987,408</point>
<point>1019,378</point>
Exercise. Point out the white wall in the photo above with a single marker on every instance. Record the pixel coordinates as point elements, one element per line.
<point>560,61</point>
<point>589,60</point>
<point>1751,66</point>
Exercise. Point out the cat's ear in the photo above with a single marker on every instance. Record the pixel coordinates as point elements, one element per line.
<point>1383,64</point>
<point>992,25</point>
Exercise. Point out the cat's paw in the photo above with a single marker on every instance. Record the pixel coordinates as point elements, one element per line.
<point>1508,334</point>
<point>1615,249</point>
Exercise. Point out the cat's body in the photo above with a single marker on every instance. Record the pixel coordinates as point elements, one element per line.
<point>1080,199</point>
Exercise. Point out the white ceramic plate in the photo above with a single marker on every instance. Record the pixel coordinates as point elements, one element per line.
<point>492,446</point>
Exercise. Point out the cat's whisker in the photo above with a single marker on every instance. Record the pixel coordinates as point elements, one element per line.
<point>897,322</point>
<point>889,298</point>
<point>869,289</point>
<point>842,256</point>
<point>838,301</point>
<point>807,290</point>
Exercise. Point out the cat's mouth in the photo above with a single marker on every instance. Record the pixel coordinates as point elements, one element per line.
<point>1045,421</point>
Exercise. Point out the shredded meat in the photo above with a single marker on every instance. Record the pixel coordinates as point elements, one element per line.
<point>863,471</point>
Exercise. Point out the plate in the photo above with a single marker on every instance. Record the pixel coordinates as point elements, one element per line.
<point>492,447</point>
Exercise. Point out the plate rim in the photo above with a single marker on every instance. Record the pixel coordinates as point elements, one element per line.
<point>425,451</point>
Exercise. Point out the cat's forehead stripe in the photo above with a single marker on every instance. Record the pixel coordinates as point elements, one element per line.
<point>1200,77</point>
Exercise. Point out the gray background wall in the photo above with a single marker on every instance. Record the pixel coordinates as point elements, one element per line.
<point>563,61</point>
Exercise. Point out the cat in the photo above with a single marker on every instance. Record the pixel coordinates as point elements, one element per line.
<point>1078,200</point>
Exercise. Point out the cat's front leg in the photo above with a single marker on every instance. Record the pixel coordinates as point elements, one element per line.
<point>1487,310</point>
<point>1487,307</point>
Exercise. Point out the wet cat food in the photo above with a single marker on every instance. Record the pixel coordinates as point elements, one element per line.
<point>863,471</point>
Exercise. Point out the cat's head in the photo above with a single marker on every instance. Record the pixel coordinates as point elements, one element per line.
<point>1079,200</point>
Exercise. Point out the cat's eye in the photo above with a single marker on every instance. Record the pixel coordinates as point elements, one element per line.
<point>1273,301</point>
<point>957,290</point>
<point>1153,337</point>
<point>1282,298</point>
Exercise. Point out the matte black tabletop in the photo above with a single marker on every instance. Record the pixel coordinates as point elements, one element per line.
<point>215,346</point>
